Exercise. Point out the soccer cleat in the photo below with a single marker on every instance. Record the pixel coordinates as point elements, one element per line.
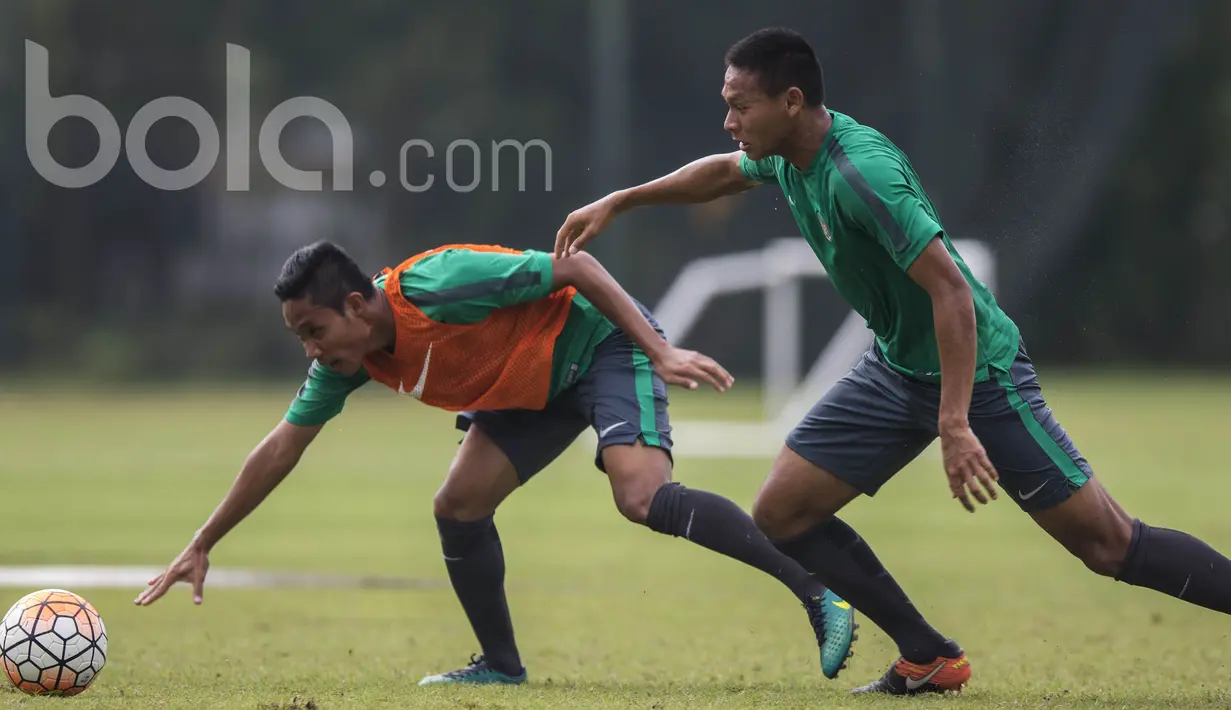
<point>833,621</point>
<point>940,675</point>
<point>476,673</point>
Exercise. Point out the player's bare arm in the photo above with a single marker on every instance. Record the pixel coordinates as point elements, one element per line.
<point>676,366</point>
<point>268,464</point>
<point>953,312</point>
<point>702,180</point>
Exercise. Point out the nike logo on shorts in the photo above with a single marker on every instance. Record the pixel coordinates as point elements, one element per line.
<point>1028,496</point>
<point>607,430</point>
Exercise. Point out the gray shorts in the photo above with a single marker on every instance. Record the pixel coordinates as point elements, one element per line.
<point>620,396</point>
<point>875,420</point>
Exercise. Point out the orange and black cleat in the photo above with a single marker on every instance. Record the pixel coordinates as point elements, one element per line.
<point>941,675</point>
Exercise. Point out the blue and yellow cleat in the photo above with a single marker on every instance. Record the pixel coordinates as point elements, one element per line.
<point>833,620</point>
<point>476,673</point>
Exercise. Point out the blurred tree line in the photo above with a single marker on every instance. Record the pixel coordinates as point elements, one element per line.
<point>1090,145</point>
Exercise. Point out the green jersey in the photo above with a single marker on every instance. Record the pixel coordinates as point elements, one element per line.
<point>460,287</point>
<point>862,208</point>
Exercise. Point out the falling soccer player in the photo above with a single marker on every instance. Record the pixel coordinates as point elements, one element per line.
<point>946,362</point>
<point>530,351</point>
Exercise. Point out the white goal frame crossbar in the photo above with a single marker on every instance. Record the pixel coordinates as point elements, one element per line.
<point>778,269</point>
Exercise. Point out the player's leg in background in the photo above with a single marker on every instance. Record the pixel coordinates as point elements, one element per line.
<point>1045,473</point>
<point>644,493</point>
<point>499,453</point>
<point>627,404</point>
<point>855,439</point>
<point>640,475</point>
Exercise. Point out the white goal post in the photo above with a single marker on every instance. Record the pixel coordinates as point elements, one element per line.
<point>778,268</point>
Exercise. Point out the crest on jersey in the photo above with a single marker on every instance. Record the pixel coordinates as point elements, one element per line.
<point>824,226</point>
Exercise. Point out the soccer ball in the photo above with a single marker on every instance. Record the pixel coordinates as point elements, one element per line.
<point>54,643</point>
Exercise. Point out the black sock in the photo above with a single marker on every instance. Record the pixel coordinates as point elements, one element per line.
<point>839,556</point>
<point>717,524</point>
<point>475,561</point>
<point>1176,563</point>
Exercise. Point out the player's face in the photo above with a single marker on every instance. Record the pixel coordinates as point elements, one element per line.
<point>337,340</point>
<point>759,122</point>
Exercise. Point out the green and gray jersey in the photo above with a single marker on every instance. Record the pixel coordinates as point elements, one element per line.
<point>460,287</point>
<point>862,208</point>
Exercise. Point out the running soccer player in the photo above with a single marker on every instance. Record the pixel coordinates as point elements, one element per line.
<point>946,362</point>
<point>530,351</point>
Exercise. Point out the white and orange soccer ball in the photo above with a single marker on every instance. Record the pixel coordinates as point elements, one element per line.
<point>54,643</point>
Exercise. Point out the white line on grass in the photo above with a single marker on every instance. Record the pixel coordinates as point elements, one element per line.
<point>67,576</point>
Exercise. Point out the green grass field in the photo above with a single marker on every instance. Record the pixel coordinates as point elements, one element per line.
<point>608,614</point>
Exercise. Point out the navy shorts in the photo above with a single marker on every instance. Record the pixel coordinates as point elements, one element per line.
<point>876,420</point>
<point>620,396</point>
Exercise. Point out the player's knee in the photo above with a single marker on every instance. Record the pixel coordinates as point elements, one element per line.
<point>1105,552</point>
<point>767,518</point>
<point>634,493</point>
<point>633,501</point>
<point>777,520</point>
<point>636,474</point>
<point>446,504</point>
<point>455,505</point>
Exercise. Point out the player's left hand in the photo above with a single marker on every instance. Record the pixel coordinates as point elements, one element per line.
<point>684,368</point>
<point>970,471</point>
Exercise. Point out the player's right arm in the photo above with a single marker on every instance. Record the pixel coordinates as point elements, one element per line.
<point>702,180</point>
<point>318,400</point>
<point>266,467</point>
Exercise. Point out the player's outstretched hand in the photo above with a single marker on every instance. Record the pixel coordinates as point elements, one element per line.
<point>190,566</point>
<point>685,367</point>
<point>970,471</point>
<point>584,224</point>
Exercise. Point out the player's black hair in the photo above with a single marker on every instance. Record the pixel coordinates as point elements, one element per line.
<point>325,274</point>
<point>781,58</point>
